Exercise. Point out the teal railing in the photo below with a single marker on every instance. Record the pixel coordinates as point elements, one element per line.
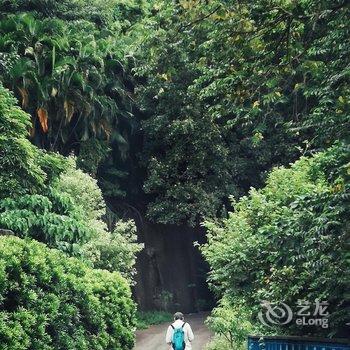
<point>296,343</point>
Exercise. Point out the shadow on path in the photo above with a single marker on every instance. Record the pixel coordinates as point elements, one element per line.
<point>153,338</point>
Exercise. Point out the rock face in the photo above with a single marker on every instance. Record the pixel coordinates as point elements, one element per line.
<point>171,271</point>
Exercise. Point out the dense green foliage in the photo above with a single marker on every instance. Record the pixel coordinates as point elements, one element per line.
<point>288,241</point>
<point>116,250</point>
<point>85,194</point>
<point>230,324</point>
<point>51,219</point>
<point>17,153</point>
<point>27,205</point>
<point>64,62</point>
<point>172,108</point>
<point>63,207</point>
<point>111,250</point>
<point>234,88</point>
<point>51,302</point>
<point>224,91</point>
<point>116,14</point>
<point>44,197</point>
<point>64,79</point>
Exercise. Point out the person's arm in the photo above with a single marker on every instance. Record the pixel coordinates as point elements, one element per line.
<point>169,335</point>
<point>190,333</point>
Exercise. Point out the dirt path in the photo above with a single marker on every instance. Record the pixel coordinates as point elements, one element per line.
<point>153,338</point>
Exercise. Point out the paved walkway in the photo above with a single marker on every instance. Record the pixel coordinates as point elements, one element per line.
<point>153,338</point>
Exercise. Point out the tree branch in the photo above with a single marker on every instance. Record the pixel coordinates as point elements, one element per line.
<point>199,19</point>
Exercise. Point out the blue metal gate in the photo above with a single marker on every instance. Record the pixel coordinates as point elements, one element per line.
<point>296,343</point>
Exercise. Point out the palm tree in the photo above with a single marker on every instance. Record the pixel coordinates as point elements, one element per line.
<point>73,85</point>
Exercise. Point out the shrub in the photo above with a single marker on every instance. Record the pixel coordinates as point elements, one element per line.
<point>49,301</point>
<point>85,194</point>
<point>115,251</point>
<point>231,323</point>
<point>289,241</point>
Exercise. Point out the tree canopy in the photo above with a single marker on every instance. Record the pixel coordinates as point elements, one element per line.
<point>175,105</point>
<point>232,89</point>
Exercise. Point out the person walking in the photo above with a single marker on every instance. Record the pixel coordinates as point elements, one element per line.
<point>179,334</point>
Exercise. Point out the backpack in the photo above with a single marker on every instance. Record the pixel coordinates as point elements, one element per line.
<point>178,341</point>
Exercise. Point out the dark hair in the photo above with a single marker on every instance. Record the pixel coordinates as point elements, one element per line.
<point>179,316</point>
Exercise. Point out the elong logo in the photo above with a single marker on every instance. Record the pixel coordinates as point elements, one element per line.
<point>308,314</point>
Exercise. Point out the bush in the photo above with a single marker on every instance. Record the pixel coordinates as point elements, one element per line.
<point>289,242</point>
<point>112,251</point>
<point>49,301</point>
<point>85,194</point>
<point>231,323</point>
<point>115,251</point>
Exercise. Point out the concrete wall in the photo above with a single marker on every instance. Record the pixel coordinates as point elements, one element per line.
<point>171,271</point>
